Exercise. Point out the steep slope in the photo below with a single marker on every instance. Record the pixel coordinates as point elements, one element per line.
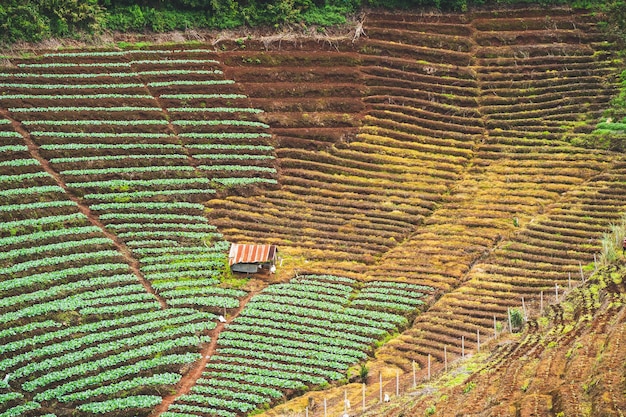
<point>521,183</point>
<point>420,181</point>
<point>567,363</point>
<point>528,211</point>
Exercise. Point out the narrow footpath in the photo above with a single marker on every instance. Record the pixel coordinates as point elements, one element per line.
<point>133,262</point>
<point>189,380</point>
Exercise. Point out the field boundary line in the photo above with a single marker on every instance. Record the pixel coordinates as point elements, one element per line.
<point>126,253</point>
<point>189,380</point>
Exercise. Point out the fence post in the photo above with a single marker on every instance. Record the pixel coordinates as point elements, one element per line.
<point>414,376</point>
<point>429,366</point>
<point>556,292</point>
<point>508,311</point>
<point>445,357</point>
<point>582,275</point>
<point>325,408</point>
<point>306,412</point>
<point>569,280</point>
<point>363,400</point>
<point>463,347</point>
<point>541,303</point>
<point>380,383</point>
<point>397,382</point>
<point>495,328</point>
<point>524,308</point>
<point>478,340</point>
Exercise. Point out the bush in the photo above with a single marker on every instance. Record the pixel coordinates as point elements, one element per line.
<point>126,19</point>
<point>22,21</point>
<point>517,319</point>
<point>363,373</point>
<point>34,20</point>
<point>615,13</point>
<point>325,16</point>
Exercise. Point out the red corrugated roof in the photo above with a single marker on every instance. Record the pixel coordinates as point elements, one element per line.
<point>248,254</point>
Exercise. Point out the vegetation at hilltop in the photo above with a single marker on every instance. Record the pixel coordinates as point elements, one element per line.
<point>36,20</point>
<point>420,184</point>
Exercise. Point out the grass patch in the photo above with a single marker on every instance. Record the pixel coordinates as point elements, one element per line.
<point>234,282</point>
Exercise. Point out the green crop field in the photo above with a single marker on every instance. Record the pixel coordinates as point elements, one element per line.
<point>421,180</point>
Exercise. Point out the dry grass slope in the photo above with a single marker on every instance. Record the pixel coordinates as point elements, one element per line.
<point>434,152</point>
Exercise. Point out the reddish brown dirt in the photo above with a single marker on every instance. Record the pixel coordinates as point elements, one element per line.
<point>133,263</point>
<point>189,380</point>
<point>442,268</point>
<point>427,119</point>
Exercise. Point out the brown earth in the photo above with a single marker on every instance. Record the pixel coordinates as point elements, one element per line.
<point>189,379</point>
<point>443,151</point>
<point>499,206</point>
<point>133,262</point>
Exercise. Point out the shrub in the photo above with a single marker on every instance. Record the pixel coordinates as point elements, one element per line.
<point>34,20</point>
<point>363,373</point>
<point>22,21</point>
<point>517,319</point>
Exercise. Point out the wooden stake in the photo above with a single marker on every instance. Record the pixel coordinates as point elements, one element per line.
<point>478,340</point>
<point>556,292</point>
<point>463,347</point>
<point>541,303</point>
<point>582,274</point>
<point>524,308</point>
<point>569,280</point>
<point>380,383</point>
<point>429,366</point>
<point>363,399</point>
<point>325,414</point>
<point>345,401</point>
<point>495,328</point>
<point>445,357</point>
<point>414,376</point>
<point>510,324</point>
<point>397,383</point>
<point>306,412</point>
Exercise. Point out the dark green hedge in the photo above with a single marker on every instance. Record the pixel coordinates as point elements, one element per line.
<point>34,20</point>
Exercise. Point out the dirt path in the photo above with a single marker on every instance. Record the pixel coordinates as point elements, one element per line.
<point>133,263</point>
<point>189,380</point>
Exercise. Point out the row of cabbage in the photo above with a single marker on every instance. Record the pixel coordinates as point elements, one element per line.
<point>290,337</point>
<point>75,325</point>
<point>232,168</point>
<point>400,297</point>
<point>112,348</point>
<point>122,139</point>
<point>201,121</point>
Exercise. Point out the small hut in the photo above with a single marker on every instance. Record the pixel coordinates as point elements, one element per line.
<point>250,259</point>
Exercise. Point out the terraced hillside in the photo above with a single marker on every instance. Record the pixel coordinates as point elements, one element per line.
<point>564,362</point>
<point>512,216</point>
<point>420,179</point>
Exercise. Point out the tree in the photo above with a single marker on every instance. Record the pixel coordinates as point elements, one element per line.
<point>34,20</point>
<point>615,14</point>
<point>517,319</point>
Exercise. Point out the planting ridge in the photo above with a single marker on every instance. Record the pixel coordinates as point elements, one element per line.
<point>419,181</point>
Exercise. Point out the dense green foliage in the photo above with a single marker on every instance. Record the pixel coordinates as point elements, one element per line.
<point>609,134</point>
<point>35,20</point>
